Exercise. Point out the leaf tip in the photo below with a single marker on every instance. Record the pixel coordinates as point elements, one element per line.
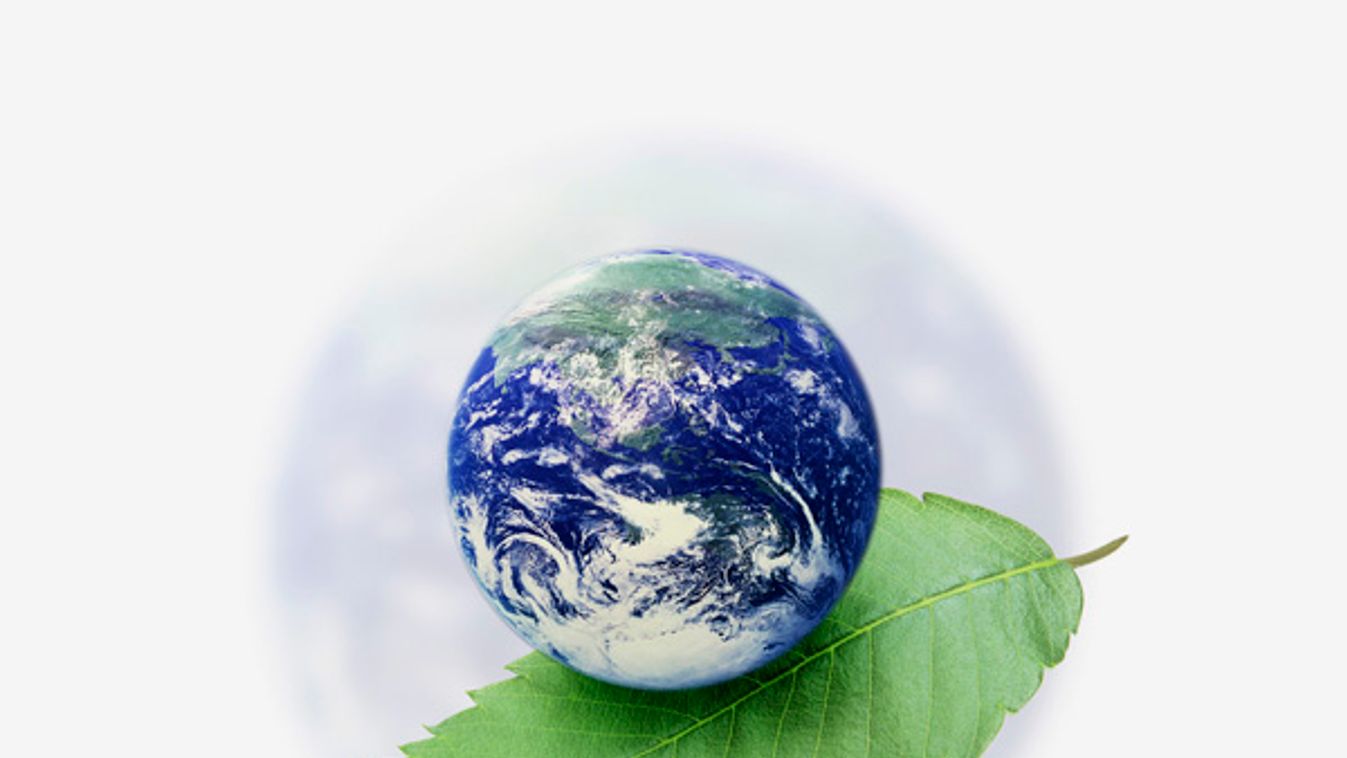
<point>1099,553</point>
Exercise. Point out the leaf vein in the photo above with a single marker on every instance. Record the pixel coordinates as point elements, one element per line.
<point>870,696</point>
<point>776,741</point>
<point>729,738</point>
<point>866,628</point>
<point>596,701</point>
<point>930,683</point>
<point>827,693</point>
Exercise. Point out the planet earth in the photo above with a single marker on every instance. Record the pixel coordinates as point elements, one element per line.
<point>663,469</point>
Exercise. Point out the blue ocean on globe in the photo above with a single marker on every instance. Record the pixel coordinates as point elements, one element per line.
<point>663,469</point>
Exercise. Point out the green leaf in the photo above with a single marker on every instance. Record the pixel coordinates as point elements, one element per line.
<point>947,626</point>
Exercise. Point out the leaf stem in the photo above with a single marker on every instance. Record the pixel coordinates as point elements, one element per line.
<point>1085,559</point>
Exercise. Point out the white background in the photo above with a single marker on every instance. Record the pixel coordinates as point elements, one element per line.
<point>1151,194</point>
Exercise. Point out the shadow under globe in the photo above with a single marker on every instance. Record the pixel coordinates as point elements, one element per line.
<point>383,629</point>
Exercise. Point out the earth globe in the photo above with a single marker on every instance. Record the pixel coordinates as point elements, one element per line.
<point>663,469</point>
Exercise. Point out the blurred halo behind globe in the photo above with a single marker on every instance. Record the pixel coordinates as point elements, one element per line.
<point>382,628</point>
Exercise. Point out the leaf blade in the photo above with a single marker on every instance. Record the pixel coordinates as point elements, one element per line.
<point>948,625</point>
